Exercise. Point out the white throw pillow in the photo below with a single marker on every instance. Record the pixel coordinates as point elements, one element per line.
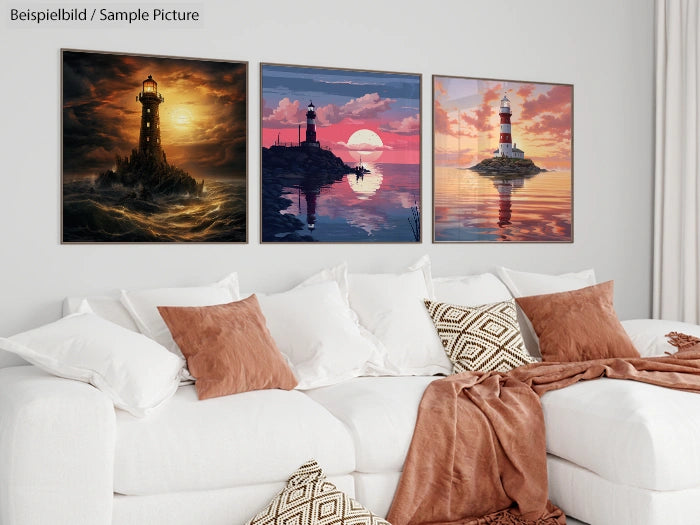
<point>470,290</point>
<point>318,333</point>
<point>338,273</point>
<point>143,305</point>
<point>105,306</point>
<point>391,307</point>
<point>137,373</point>
<point>8,359</point>
<point>523,284</point>
<point>649,335</point>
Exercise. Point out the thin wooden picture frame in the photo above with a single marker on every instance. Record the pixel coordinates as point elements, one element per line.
<point>340,155</point>
<point>154,149</point>
<point>485,187</point>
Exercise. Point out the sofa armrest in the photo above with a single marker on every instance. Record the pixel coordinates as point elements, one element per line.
<point>57,439</point>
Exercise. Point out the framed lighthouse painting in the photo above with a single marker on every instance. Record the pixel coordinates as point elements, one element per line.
<point>340,155</point>
<point>154,149</point>
<point>503,160</point>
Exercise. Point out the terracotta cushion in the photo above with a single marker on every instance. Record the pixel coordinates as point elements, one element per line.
<point>578,325</point>
<point>228,348</point>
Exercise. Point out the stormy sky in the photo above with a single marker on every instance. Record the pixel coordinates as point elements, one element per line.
<point>202,121</point>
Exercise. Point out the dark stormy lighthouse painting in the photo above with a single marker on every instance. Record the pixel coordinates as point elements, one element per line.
<point>154,149</point>
<point>340,155</point>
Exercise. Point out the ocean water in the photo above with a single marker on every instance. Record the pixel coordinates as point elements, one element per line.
<point>376,207</point>
<point>473,207</point>
<point>93,214</point>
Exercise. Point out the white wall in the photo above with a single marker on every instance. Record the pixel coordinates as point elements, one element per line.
<point>604,48</point>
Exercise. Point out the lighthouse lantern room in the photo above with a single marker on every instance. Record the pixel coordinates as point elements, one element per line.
<point>149,137</point>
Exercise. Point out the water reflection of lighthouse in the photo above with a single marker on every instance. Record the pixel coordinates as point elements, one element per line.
<point>311,192</point>
<point>505,188</point>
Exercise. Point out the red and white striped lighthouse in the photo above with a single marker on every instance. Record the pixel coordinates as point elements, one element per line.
<point>505,144</point>
<point>311,126</point>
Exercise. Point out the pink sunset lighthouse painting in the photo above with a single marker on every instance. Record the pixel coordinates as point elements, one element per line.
<point>502,158</point>
<point>340,156</point>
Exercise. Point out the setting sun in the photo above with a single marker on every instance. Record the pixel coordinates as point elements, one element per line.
<point>182,117</point>
<point>365,144</point>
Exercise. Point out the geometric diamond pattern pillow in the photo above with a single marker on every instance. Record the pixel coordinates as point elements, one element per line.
<point>480,338</point>
<point>310,499</point>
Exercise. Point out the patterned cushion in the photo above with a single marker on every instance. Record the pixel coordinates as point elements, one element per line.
<point>481,338</point>
<point>309,499</point>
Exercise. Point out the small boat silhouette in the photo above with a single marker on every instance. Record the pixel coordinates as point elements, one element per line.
<point>360,169</point>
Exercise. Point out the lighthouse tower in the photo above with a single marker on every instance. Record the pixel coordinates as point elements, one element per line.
<point>149,138</point>
<point>505,144</point>
<point>311,127</point>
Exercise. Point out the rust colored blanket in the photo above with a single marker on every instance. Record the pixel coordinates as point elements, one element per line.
<point>478,452</point>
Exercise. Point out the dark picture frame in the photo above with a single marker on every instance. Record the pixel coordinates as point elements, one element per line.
<point>154,149</point>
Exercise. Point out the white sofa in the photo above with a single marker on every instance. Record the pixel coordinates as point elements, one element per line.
<point>620,453</point>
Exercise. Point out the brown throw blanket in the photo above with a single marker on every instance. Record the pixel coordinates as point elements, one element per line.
<point>478,452</point>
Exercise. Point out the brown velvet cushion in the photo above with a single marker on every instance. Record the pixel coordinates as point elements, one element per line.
<point>579,325</point>
<point>228,348</point>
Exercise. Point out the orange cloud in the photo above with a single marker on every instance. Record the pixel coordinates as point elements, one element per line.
<point>480,117</point>
<point>556,100</point>
<point>555,126</point>
<point>492,94</point>
<point>525,91</point>
<point>442,121</point>
<point>439,88</point>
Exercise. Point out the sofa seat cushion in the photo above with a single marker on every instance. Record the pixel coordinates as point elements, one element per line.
<point>380,413</point>
<point>233,506</point>
<point>242,439</point>
<point>627,432</point>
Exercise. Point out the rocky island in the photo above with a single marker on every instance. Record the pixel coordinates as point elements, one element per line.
<point>302,160</point>
<point>507,166</point>
<point>151,175</point>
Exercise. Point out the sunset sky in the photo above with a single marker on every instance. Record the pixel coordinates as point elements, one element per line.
<point>466,121</point>
<point>385,104</point>
<point>202,121</point>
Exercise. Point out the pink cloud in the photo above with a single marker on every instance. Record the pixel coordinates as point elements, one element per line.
<point>367,106</point>
<point>406,126</point>
<point>287,113</point>
<point>364,147</point>
<point>266,110</point>
<point>330,114</point>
